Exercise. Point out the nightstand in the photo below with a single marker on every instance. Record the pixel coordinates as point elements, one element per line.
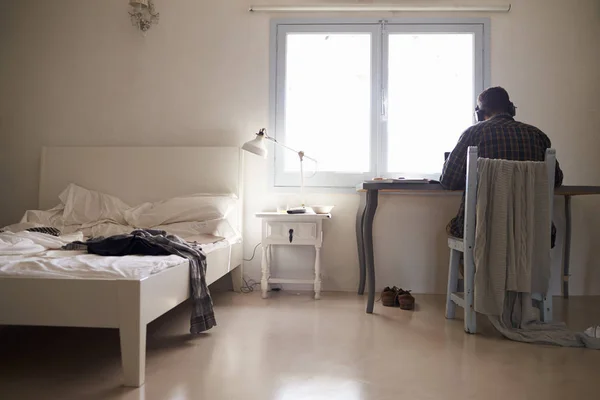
<point>291,230</point>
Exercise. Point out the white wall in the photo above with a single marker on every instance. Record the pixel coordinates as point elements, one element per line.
<point>77,73</point>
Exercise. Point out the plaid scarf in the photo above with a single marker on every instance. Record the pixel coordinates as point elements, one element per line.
<point>155,243</point>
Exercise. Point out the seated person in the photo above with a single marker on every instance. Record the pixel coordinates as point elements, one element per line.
<point>497,135</point>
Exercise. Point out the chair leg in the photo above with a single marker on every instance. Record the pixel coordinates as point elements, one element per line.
<point>546,308</point>
<point>452,283</point>
<point>470,316</point>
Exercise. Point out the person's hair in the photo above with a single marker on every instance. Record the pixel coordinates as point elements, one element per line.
<point>495,100</point>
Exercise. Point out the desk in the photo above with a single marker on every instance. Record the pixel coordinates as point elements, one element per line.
<point>369,194</point>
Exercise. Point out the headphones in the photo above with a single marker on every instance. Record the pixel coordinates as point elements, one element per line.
<point>481,112</point>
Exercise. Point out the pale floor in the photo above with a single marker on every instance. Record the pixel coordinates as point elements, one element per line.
<point>291,347</point>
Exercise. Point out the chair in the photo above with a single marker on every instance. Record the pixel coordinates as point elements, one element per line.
<point>465,247</point>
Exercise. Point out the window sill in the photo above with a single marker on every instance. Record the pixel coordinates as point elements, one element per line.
<point>314,189</point>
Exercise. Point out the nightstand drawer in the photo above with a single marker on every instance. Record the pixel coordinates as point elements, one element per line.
<point>292,232</point>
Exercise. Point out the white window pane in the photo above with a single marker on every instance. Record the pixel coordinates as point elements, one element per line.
<point>430,98</point>
<point>328,100</point>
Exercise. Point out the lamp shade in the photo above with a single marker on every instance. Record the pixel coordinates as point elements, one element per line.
<point>256,146</point>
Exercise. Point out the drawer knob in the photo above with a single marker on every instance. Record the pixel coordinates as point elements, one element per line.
<point>291,235</point>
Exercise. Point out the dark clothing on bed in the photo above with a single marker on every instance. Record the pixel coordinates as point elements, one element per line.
<point>140,242</point>
<point>158,243</point>
<point>48,230</point>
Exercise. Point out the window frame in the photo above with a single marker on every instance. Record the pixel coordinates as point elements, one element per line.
<point>379,29</point>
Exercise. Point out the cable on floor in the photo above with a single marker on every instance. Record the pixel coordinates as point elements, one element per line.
<point>249,285</point>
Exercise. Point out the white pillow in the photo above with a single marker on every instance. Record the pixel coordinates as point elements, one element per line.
<point>52,217</point>
<point>104,228</point>
<point>194,208</point>
<point>83,206</point>
<point>187,229</point>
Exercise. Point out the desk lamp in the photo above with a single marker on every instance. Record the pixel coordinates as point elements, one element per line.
<point>257,146</point>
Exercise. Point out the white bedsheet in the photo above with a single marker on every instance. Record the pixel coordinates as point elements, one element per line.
<point>80,265</point>
<point>28,243</point>
<point>49,263</point>
<point>82,214</point>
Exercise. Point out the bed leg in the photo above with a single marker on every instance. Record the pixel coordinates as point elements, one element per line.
<point>236,279</point>
<point>133,353</point>
<point>132,332</point>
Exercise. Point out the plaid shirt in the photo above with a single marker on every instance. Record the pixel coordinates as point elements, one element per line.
<point>500,137</point>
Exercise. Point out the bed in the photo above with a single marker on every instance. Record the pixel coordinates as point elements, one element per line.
<point>136,175</point>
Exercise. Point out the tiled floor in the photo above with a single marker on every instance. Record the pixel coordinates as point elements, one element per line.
<point>291,347</point>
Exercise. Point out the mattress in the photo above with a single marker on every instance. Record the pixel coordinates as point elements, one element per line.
<point>80,265</point>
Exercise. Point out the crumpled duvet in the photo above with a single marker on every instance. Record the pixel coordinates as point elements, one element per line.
<point>29,243</point>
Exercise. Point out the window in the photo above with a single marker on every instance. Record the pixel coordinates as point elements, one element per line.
<point>372,99</point>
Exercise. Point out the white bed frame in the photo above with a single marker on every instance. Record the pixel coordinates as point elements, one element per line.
<point>135,174</point>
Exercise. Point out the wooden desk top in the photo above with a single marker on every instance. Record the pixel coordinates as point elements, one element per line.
<point>399,187</point>
<point>577,190</point>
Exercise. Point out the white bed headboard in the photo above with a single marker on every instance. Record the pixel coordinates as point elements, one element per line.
<point>139,174</point>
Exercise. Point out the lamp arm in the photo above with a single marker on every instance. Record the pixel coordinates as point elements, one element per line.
<point>300,153</point>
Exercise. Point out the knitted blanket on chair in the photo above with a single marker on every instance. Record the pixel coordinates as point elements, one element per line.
<point>512,252</point>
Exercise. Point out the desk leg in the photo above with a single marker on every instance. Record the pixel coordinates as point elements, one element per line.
<point>372,200</point>
<point>567,254</point>
<point>360,219</point>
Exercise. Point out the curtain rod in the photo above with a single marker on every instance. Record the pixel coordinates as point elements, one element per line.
<point>381,8</point>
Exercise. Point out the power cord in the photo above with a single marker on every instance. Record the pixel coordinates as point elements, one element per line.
<point>253,253</point>
<point>250,284</point>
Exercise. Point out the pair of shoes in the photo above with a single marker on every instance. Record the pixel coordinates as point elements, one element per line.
<point>389,296</point>
<point>396,297</point>
<point>405,300</point>
<point>593,332</point>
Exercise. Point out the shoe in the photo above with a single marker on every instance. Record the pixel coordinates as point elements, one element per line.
<point>389,296</point>
<point>405,300</point>
<point>593,332</point>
